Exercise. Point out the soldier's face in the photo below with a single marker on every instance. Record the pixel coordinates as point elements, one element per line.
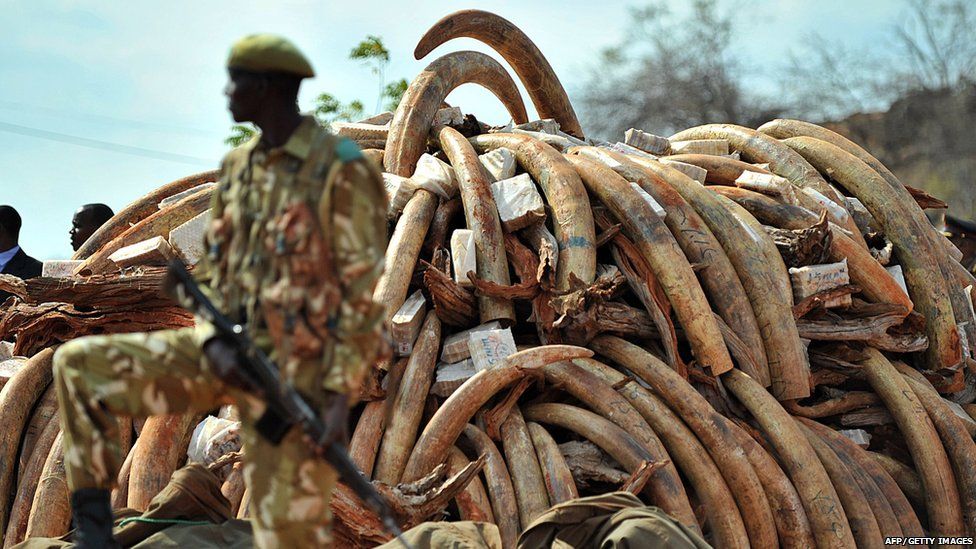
<point>244,92</point>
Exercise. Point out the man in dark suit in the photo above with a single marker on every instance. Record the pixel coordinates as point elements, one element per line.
<point>13,260</point>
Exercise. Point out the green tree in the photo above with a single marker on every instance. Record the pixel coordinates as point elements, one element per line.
<point>394,93</point>
<point>373,53</point>
<point>329,109</point>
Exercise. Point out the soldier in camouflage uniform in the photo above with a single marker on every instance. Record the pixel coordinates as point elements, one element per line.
<point>295,248</point>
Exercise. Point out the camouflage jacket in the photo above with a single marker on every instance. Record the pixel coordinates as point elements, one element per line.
<point>294,251</point>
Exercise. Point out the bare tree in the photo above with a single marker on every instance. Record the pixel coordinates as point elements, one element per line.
<point>938,38</point>
<point>669,74</point>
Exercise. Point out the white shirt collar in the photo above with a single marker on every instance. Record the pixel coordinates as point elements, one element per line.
<point>6,256</point>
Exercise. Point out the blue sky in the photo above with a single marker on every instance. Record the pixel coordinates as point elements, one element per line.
<point>149,75</point>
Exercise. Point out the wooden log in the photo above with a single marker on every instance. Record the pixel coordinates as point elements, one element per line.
<point>17,399</point>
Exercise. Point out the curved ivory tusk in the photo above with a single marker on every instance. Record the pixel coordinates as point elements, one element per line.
<point>481,215</point>
<point>139,210</point>
<point>403,251</point>
<point>665,484</point>
<point>662,253</point>
<point>50,515</point>
<point>721,169</point>
<point>611,439</point>
<point>524,466</point>
<point>699,245</point>
<point>17,400</point>
<point>405,414</point>
<point>876,282</point>
<point>926,283</point>
<point>721,511</point>
<point>555,471</point>
<point>823,507</point>
<point>884,515</point>
<point>754,255</point>
<point>792,524</point>
<point>159,223</point>
<point>903,510</point>
<point>472,500</point>
<point>709,426</point>
<point>758,147</point>
<point>958,443</point>
<point>500,489</point>
<point>449,420</point>
<point>414,116</point>
<point>786,128</point>
<point>572,218</point>
<point>535,72</point>
<point>864,526</point>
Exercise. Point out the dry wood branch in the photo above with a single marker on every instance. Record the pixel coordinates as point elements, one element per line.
<point>802,247</point>
<point>453,304</point>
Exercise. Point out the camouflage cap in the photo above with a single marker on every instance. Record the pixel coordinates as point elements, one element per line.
<point>269,53</point>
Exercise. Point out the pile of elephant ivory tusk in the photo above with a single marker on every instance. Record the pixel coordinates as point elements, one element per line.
<point>755,330</point>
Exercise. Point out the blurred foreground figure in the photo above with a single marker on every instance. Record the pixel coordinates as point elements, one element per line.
<point>294,251</point>
<point>13,260</point>
<point>86,221</point>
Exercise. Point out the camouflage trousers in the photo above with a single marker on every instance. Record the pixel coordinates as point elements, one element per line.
<point>166,372</point>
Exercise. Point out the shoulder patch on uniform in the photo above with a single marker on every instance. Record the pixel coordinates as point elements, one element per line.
<point>347,150</point>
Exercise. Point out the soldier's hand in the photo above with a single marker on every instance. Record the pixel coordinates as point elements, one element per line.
<point>225,365</point>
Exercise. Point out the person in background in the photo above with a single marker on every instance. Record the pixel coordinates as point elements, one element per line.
<point>86,221</point>
<point>13,260</point>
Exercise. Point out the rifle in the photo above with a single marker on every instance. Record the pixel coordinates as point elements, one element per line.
<point>286,407</point>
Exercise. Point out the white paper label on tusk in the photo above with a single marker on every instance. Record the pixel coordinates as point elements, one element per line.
<point>490,347</point>
<point>813,279</point>
<point>59,268</point>
<point>455,347</point>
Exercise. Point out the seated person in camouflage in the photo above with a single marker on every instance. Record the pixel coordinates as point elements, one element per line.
<point>295,249</point>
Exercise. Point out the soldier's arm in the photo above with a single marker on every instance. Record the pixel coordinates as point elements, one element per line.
<point>358,231</point>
